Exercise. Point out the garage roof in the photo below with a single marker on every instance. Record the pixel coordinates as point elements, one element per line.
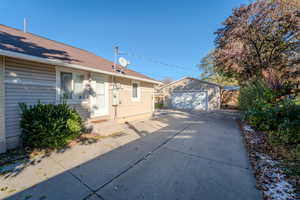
<point>206,82</point>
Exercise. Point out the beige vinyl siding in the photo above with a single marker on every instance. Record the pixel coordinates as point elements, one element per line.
<point>2,111</point>
<point>30,82</point>
<point>27,82</point>
<point>130,107</point>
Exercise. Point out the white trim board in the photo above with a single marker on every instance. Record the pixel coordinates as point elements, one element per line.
<point>74,66</point>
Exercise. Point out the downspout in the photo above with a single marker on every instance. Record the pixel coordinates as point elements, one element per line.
<point>114,98</point>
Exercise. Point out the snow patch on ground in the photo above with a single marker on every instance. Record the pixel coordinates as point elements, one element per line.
<point>254,141</point>
<point>248,128</point>
<point>275,184</point>
<point>271,178</point>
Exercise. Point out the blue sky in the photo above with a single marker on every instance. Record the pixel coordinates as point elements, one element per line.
<point>171,31</point>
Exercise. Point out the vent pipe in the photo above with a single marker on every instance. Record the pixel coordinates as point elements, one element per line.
<point>24,25</point>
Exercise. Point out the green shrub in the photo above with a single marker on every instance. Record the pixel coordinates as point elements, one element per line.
<point>159,105</point>
<point>256,103</point>
<point>267,111</point>
<point>49,125</point>
<point>256,96</point>
<point>297,101</point>
<point>257,119</point>
<point>295,153</point>
<point>288,133</point>
<point>277,116</point>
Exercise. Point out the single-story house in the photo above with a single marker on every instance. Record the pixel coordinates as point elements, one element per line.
<point>190,94</point>
<point>33,68</point>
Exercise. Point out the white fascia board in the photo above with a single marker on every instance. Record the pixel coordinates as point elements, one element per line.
<point>74,66</point>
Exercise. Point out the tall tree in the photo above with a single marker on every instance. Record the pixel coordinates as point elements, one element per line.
<point>260,41</point>
<point>207,65</point>
<point>208,73</point>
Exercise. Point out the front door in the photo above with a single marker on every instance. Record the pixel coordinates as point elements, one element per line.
<point>99,102</point>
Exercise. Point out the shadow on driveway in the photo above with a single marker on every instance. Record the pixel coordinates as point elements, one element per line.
<point>194,157</point>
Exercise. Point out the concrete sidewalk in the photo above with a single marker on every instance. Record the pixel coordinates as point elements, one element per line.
<point>189,156</point>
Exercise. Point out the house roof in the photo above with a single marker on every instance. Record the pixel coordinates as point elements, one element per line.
<point>186,77</point>
<point>16,43</point>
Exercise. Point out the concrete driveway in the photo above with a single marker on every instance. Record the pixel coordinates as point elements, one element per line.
<point>197,156</point>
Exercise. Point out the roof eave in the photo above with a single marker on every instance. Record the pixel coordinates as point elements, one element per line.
<point>74,66</point>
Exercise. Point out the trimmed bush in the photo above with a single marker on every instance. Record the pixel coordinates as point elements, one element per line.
<point>49,125</point>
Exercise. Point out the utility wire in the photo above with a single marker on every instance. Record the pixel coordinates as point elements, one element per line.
<point>192,71</point>
<point>160,62</point>
<point>152,60</point>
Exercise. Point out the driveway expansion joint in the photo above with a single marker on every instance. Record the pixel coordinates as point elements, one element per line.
<point>142,159</point>
<point>80,181</point>
<point>209,159</point>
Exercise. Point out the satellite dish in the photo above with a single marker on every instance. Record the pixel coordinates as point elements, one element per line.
<point>123,62</point>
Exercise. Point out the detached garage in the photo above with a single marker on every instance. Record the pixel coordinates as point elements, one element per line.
<point>191,94</point>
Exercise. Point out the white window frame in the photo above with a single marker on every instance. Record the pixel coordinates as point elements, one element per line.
<point>73,100</point>
<point>138,90</point>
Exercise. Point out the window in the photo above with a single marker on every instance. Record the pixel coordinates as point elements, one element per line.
<point>78,86</point>
<point>71,85</point>
<point>135,91</point>
<point>66,85</point>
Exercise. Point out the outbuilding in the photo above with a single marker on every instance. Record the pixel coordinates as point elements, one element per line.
<point>191,94</point>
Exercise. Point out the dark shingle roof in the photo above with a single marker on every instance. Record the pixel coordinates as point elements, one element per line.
<point>17,41</point>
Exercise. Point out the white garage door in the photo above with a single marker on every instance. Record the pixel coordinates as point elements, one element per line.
<point>196,100</point>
